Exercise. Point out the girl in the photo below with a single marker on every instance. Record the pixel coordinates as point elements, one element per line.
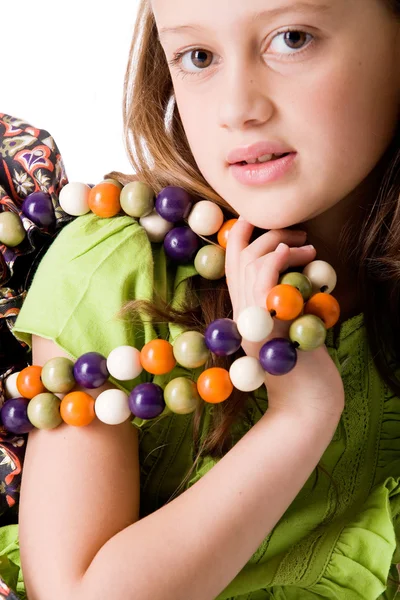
<point>229,504</point>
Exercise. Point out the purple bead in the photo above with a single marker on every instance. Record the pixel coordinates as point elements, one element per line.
<point>38,207</point>
<point>146,400</point>
<point>278,356</point>
<point>181,244</point>
<point>90,370</point>
<point>173,203</point>
<point>222,337</point>
<point>14,416</point>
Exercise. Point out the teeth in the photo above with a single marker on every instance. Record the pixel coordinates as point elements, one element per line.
<point>264,158</point>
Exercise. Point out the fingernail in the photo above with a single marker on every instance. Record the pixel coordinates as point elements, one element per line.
<point>281,248</point>
<point>309,247</point>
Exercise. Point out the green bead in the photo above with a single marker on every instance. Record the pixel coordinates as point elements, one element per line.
<point>300,282</point>
<point>181,396</point>
<point>114,182</point>
<point>190,350</point>
<point>12,232</point>
<point>137,199</point>
<point>58,375</point>
<point>44,411</point>
<point>308,332</point>
<point>210,262</point>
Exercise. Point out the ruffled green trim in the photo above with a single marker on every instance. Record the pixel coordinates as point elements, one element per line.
<point>10,561</point>
<point>362,557</point>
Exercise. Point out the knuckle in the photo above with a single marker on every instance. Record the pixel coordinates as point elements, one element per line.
<point>250,268</point>
<point>272,237</point>
<point>270,260</point>
<point>261,289</point>
<point>277,235</point>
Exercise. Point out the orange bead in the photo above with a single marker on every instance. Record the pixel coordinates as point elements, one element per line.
<point>285,301</point>
<point>324,306</point>
<point>214,385</point>
<point>104,200</point>
<point>29,383</point>
<point>77,408</point>
<point>157,357</point>
<point>223,233</point>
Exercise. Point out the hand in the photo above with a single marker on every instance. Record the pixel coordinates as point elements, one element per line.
<point>252,270</point>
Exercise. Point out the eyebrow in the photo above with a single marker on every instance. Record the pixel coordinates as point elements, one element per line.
<point>271,13</point>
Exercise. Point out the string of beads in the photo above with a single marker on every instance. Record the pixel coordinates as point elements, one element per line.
<point>44,397</point>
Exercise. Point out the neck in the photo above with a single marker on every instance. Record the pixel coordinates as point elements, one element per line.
<point>328,230</point>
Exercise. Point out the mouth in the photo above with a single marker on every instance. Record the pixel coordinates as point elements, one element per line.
<point>265,169</point>
<point>263,159</point>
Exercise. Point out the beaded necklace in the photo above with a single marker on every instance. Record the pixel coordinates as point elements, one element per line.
<point>44,397</point>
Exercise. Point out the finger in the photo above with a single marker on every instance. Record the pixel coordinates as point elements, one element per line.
<point>271,266</point>
<point>268,242</point>
<point>238,239</point>
<point>299,257</point>
<point>260,275</point>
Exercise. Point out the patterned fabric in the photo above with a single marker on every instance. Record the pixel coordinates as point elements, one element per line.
<point>30,161</point>
<point>6,593</point>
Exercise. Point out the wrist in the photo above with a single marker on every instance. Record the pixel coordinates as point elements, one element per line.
<point>306,413</point>
<point>306,434</point>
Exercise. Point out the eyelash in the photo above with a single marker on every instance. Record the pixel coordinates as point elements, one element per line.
<point>177,59</point>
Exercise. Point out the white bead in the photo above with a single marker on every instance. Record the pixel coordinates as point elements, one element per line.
<point>11,386</point>
<point>123,363</point>
<point>74,198</point>
<point>255,324</point>
<point>155,226</point>
<point>205,218</point>
<point>321,274</point>
<point>112,407</point>
<point>247,374</point>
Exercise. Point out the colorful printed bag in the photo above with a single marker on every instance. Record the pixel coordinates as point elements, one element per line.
<point>30,161</point>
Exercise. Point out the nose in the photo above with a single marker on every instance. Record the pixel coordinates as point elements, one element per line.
<point>244,101</point>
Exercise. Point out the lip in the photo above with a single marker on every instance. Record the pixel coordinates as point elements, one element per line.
<point>255,151</point>
<point>261,173</point>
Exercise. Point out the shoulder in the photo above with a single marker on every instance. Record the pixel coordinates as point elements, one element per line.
<point>91,270</point>
<point>91,255</point>
<point>88,240</point>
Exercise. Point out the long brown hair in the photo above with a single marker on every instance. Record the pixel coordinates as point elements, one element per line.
<point>160,155</point>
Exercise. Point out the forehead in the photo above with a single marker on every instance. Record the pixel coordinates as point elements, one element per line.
<point>173,16</point>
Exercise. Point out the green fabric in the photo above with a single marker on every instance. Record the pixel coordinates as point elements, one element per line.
<point>10,562</point>
<point>324,546</point>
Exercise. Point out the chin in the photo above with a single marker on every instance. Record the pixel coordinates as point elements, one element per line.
<point>275,222</point>
<point>285,218</point>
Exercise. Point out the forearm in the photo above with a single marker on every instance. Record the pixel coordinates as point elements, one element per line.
<point>195,545</point>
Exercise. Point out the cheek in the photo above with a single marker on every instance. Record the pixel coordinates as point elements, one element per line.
<point>199,125</point>
<point>349,118</point>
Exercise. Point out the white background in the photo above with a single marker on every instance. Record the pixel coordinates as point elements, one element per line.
<point>63,70</point>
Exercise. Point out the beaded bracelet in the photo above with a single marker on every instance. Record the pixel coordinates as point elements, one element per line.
<point>304,298</point>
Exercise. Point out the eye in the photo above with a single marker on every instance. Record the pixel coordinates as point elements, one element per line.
<point>201,59</point>
<point>196,57</point>
<point>293,39</point>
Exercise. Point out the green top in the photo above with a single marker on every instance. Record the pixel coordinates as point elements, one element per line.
<point>322,547</point>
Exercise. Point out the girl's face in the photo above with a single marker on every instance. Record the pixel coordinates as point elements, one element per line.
<point>330,91</point>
